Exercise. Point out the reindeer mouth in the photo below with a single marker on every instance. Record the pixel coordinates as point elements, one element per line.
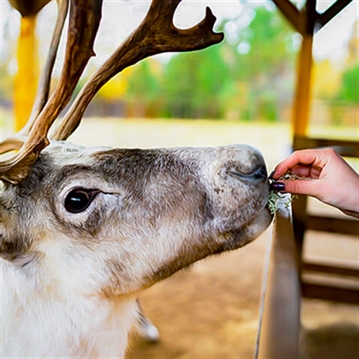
<point>239,237</point>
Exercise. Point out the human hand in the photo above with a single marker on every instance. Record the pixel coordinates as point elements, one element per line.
<point>324,175</point>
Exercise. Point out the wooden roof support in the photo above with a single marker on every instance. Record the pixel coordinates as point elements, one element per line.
<point>306,22</point>
<point>303,90</point>
<point>331,12</point>
<point>292,14</point>
<point>27,58</point>
<point>302,98</point>
<point>27,71</point>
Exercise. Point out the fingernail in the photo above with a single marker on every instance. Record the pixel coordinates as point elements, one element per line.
<point>277,186</point>
<point>271,174</point>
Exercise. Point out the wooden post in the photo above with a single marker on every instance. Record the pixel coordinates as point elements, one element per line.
<point>302,99</point>
<point>303,91</point>
<point>27,74</point>
<point>281,316</point>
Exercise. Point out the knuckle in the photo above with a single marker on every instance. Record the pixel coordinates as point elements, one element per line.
<point>330,151</point>
<point>295,187</point>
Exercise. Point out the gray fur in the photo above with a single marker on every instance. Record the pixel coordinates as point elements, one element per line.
<point>155,212</point>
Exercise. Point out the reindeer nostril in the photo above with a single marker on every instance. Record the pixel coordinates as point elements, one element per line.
<point>258,175</point>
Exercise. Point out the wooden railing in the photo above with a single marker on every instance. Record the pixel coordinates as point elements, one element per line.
<point>328,287</point>
<point>279,338</point>
<point>287,281</point>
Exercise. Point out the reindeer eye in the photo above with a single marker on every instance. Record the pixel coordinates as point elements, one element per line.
<point>79,199</point>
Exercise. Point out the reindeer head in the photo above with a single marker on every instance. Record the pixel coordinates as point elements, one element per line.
<point>113,221</point>
<point>128,218</point>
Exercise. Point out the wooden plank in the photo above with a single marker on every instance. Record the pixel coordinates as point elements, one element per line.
<point>25,85</point>
<point>331,12</point>
<point>330,269</point>
<point>346,148</point>
<point>311,16</point>
<point>334,225</point>
<point>299,222</point>
<point>281,318</point>
<point>303,88</point>
<point>330,293</point>
<point>292,14</point>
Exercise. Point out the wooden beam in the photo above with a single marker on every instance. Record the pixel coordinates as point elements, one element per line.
<point>331,293</point>
<point>291,13</point>
<point>302,99</point>
<point>345,148</point>
<point>333,225</point>
<point>311,16</point>
<point>331,12</point>
<point>306,22</point>
<point>281,318</point>
<point>27,74</point>
<point>329,268</point>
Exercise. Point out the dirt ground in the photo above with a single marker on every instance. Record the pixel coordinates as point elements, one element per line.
<point>209,310</point>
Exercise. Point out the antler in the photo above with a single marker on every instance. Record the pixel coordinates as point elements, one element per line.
<point>156,34</point>
<point>84,21</point>
<point>26,7</point>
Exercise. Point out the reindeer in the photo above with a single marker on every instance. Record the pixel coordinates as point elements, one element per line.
<point>85,230</point>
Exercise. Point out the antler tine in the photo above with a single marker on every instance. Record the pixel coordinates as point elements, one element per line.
<point>156,34</point>
<point>45,79</point>
<point>11,144</point>
<point>84,21</point>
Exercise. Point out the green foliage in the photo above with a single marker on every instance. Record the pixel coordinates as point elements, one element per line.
<point>222,79</point>
<point>245,77</point>
<point>269,43</point>
<point>264,57</point>
<point>193,82</point>
<point>349,91</point>
<point>143,84</point>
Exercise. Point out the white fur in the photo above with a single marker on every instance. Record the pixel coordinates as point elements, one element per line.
<point>74,322</point>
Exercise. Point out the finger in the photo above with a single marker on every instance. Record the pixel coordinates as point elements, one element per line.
<point>306,171</point>
<point>302,157</point>
<point>307,187</point>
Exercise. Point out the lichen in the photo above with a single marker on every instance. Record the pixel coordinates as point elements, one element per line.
<point>274,196</point>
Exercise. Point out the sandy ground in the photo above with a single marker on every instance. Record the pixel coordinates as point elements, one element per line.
<point>211,310</point>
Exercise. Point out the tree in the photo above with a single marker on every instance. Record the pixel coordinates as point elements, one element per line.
<point>247,76</point>
<point>142,83</point>
<point>353,45</point>
<point>193,82</point>
<point>142,88</point>
<point>349,91</point>
<point>265,45</point>
<point>264,59</point>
